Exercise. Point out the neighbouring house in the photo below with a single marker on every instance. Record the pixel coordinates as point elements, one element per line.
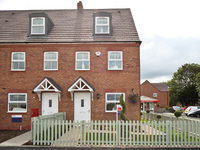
<point>75,61</point>
<point>153,95</point>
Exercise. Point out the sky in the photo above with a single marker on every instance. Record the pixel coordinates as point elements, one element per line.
<point>169,30</point>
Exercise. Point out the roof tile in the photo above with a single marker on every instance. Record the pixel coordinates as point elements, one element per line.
<point>69,26</point>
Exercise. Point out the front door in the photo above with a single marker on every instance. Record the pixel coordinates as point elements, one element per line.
<point>82,106</point>
<point>49,103</point>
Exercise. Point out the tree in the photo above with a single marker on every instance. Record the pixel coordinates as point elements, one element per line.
<point>198,82</point>
<point>177,113</point>
<point>183,87</point>
<point>123,104</point>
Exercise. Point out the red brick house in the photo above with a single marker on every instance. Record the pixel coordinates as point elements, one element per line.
<point>75,61</point>
<point>158,93</point>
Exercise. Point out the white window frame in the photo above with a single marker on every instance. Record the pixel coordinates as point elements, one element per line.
<point>106,101</point>
<point>76,60</point>
<point>155,95</point>
<point>96,18</point>
<point>46,60</point>
<point>9,94</point>
<point>18,61</point>
<point>109,52</point>
<point>32,25</point>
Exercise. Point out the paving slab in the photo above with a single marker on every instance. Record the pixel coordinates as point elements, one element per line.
<point>18,140</point>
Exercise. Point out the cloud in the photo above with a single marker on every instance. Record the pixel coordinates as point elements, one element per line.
<point>161,60</point>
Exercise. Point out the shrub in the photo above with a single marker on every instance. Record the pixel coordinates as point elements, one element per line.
<point>167,107</point>
<point>158,105</point>
<point>159,116</point>
<point>123,104</point>
<point>177,113</point>
<point>148,111</point>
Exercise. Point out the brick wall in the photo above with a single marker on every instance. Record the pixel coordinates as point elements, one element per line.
<point>147,89</point>
<point>102,79</point>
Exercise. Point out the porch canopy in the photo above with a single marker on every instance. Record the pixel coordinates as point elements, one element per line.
<point>81,85</point>
<point>48,85</point>
<point>144,99</point>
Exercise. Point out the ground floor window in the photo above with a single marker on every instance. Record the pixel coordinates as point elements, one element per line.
<point>17,102</point>
<point>112,100</point>
<point>150,106</point>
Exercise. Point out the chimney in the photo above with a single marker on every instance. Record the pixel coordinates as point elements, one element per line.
<point>79,5</point>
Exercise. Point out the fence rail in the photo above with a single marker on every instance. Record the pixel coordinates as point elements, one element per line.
<point>68,133</point>
<point>165,117</point>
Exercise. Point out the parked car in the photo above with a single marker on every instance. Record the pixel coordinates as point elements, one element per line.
<point>195,113</point>
<point>174,108</point>
<point>190,109</point>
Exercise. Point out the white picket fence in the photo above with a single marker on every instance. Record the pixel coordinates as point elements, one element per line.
<point>52,117</point>
<point>104,133</point>
<point>165,117</point>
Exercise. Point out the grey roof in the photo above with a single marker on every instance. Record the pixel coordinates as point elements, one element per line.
<point>161,86</point>
<point>69,26</point>
<point>55,84</point>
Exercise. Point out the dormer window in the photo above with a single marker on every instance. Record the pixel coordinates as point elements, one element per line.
<point>102,23</point>
<point>38,25</point>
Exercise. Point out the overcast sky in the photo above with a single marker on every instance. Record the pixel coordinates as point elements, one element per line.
<point>169,30</point>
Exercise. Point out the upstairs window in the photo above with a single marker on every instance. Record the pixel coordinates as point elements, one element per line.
<point>82,60</point>
<point>38,25</point>
<point>17,102</point>
<point>155,94</point>
<point>50,60</point>
<point>102,25</point>
<point>115,60</point>
<point>18,61</point>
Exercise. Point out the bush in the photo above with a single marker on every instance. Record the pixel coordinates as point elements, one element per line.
<point>159,116</point>
<point>167,107</point>
<point>158,105</point>
<point>177,113</point>
<point>148,111</point>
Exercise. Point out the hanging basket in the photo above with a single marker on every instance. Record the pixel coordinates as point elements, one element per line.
<point>133,101</point>
<point>132,98</point>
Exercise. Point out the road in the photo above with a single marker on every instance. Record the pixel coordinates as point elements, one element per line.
<point>93,148</point>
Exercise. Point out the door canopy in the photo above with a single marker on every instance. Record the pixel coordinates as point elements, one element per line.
<point>81,85</point>
<point>48,85</point>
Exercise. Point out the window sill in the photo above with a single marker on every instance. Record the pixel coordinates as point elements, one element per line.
<point>110,111</point>
<point>17,70</point>
<point>102,35</point>
<point>82,69</point>
<point>116,69</point>
<point>51,70</point>
<point>16,112</point>
<point>36,36</point>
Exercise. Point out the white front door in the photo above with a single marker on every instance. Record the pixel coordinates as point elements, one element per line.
<point>49,103</point>
<point>82,106</point>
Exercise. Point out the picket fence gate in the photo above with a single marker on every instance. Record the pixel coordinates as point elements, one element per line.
<point>112,133</point>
